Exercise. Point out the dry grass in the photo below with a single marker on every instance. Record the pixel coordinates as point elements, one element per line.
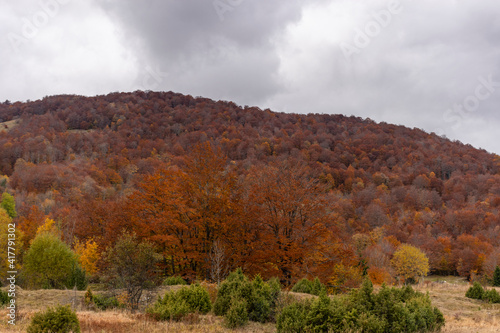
<point>8,125</point>
<point>462,314</point>
<point>123,321</point>
<point>33,300</point>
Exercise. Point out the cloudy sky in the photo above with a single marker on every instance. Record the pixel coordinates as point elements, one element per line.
<point>429,64</point>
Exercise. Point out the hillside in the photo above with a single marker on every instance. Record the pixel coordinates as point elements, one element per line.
<point>286,195</point>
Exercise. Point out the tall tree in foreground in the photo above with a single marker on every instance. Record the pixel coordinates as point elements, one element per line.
<point>132,265</point>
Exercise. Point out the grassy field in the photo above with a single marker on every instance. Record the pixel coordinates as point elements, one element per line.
<point>461,313</point>
<point>448,294</point>
<point>8,125</point>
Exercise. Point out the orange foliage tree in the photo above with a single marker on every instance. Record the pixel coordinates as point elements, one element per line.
<point>186,211</point>
<point>290,213</point>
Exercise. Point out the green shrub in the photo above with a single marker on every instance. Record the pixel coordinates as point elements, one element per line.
<point>176,304</point>
<point>303,286</point>
<point>260,297</point>
<point>475,292</point>
<point>49,262</point>
<point>492,296</point>
<point>320,316</point>
<point>4,298</point>
<point>197,298</point>
<point>390,310</point>
<point>78,278</point>
<point>496,277</point>
<point>229,287</point>
<point>293,317</point>
<point>237,315</point>
<point>104,302</point>
<point>314,287</point>
<point>170,307</point>
<point>368,322</point>
<point>60,319</point>
<point>174,281</point>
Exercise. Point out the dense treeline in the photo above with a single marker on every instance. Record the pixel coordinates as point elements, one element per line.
<point>278,194</point>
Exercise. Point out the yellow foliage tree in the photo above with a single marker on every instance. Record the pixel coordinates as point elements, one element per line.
<point>410,263</point>
<point>49,226</point>
<point>88,255</point>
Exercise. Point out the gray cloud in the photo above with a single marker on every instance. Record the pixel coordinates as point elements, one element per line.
<point>222,49</point>
<point>411,72</point>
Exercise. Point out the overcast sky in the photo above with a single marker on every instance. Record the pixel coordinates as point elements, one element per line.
<point>434,65</point>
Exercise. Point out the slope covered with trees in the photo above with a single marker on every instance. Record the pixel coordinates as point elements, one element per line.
<point>217,186</point>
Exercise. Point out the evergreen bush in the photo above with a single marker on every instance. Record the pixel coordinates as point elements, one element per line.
<point>475,292</point>
<point>78,278</point>
<point>496,277</point>
<point>259,297</point>
<point>174,281</point>
<point>103,302</point>
<point>390,310</point>
<point>306,286</point>
<point>58,320</point>
<point>237,314</point>
<point>492,296</point>
<point>176,304</point>
<point>292,318</point>
<point>4,298</point>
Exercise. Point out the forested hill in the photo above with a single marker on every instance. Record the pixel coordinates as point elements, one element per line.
<point>93,164</point>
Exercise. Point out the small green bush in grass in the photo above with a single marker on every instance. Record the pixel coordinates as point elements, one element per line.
<point>478,292</point>
<point>390,310</point>
<point>492,296</point>
<point>4,298</point>
<point>174,281</point>
<point>78,278</point>
<point>320,316</point>
<point>104,302</point>
<point>475,292</point>
<point>197,298</point>
<point>496,277</point>
<point>176,304</point>
<point>260,297</point>
<point>314,287</point>
<point>55,320</point>
<point>237,315</point>
<point>292,318</point>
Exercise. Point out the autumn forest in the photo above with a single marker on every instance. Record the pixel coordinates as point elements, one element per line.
<point>216,186</point>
